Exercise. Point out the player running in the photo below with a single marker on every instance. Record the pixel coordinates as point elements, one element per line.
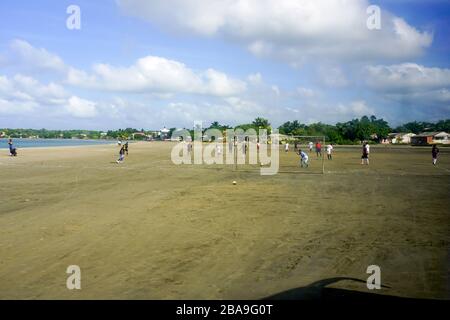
<point>121,154</point>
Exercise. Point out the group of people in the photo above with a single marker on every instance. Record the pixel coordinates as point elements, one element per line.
<point>304,156</point>
<point>364,158</point>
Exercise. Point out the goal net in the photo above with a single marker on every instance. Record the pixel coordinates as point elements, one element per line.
<point>312,146</point>
<point>289,155</point>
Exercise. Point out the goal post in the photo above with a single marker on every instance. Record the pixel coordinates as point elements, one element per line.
<point>289,159</point>
<point>308,145</point>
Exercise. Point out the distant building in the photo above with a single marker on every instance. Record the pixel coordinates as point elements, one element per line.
<point>427,138</point>
<point>164,133</point>
<point>395,138</point>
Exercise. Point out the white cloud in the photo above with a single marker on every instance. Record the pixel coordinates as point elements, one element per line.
<point>150,74</point>
<point>255,79</point>
<point>332,77</point>
<point>314,112</point>
<point>290,30</point>
<point>412,84</point>
<point>229,110</point>
<point>14,107</point>
<point>306,92</point>
<point>36,58</point>
<point>81,108</point>
<point>276,90</point>
<point>25,95</point>
<point>355,109</point>
<point>218,83</point>
<point>407,76</point>
<point>153,74</point>
<point>24,88</point>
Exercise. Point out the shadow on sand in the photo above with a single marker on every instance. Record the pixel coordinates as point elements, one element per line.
<point>318,291</point>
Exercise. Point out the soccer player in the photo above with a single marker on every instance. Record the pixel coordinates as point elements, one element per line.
<point>434,154</point>
<point>286,147</point>
<point>318,149</point>
<point>310,144</point>
<point>329,151</point>
<point>303,158</point>
<point>126,147</point>
<point>12,149</point>
<point>365,155</point>
<point>121,154</point>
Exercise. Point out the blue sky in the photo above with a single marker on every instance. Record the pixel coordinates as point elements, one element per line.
<point>149,64</point>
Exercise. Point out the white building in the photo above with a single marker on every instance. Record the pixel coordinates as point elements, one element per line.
<point>164,133</point>
<point>400,138</point>
<point>441,137</point>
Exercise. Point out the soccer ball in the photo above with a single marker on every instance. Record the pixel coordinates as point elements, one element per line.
<point>234,182</point>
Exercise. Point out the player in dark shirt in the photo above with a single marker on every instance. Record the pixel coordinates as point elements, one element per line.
<point>434,153</point>
<point>12,149</point>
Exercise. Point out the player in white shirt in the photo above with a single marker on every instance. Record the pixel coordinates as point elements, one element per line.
<point>286,147</point>
<point>303,158</point>
<point>329,151</point>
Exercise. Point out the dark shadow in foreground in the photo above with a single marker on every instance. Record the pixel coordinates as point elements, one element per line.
<point>318,291</point>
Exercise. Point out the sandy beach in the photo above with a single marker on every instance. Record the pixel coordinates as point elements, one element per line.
<point>148,229</point>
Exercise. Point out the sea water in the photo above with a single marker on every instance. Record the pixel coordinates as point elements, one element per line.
<point>40,143</point>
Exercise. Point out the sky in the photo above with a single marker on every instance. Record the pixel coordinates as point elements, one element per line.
<point>152,64</point>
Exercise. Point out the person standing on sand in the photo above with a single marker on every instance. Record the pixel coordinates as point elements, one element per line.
<point>310,144</point>
<point>329,151</point>
<point>318,150</point>
<point>365,155</point>
<point>286,147</point>
<point>434,154</point>
<point>126,147</point>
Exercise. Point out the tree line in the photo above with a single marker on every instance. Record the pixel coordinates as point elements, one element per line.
<point>353,131</point>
